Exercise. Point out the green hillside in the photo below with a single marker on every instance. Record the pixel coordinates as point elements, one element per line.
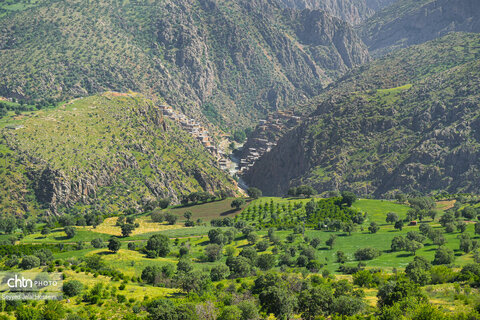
<point>230,62</point>
<point>110,152</point>
<point>406,122</point>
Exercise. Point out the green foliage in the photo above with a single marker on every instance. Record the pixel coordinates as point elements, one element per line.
<point>114,244</point>
<point>159,245</point>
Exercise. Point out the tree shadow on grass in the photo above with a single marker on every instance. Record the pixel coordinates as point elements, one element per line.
<point>404,255</point>
<point>105,253</point>
<point>60,238</point>
<point>228,212</point>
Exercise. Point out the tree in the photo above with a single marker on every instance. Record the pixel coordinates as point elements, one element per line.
<point>188,215</point>
<point>401,198</point>
<point>315,301</point>
<point>392,217</point>
<point>466,244</point>
<point>72,288</point>
<point>97,243</point>
<point>70,232</point>
<point>349,227</point>
<point>341,257</point>
<point>114,244</point>
<point>306,191</point>
<point>394,291</point>
<point>447,218</point>
<point>194,281</point>
<point>477,228</point>
<point>29,262</point>
<point>461,226</point>
<point>399,225</point>
<point>418,271</point>
<point>373,227</point>
<point>219,272</point>
<point>216,236</point>
<point>278,301</point>
<point>425,229</point>
<point>348,198</point>
<point>252,238</point>
<point>237,203</point>
<point>171,218</point>
<point>254,193</point>
<point>266,261</point>
<point>398,243</point>
<point>45,231</point>
<point>347,306</point>
<point>230,313</point>
<point>27,313</point>
<point>315,242</point>
<point>157,216</point>
<point>292,192</point>
<point>249,253</point>
<point>262,246</point>
<point>239,266</point>
<point>331,241</point>
<point>184,265</point>
<point>444,255</point>
<point>412,246</point>
<point>164,203</point>
<point>366,253</point>
<point>159,245</point>
<point>213,252</point>
<point>127,229</point>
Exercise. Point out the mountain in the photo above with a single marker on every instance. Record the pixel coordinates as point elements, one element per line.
<point>106,153</point>
<point>351,11</point>
<point>230,62</point>
<point>409,22</point>
<point>407,122</point>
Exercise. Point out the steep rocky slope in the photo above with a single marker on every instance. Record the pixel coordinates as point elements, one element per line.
<point>409,22</point>
<point>229,61</point>
<point>106,152</point>
<point>407,122</point>
<point>351,11</point>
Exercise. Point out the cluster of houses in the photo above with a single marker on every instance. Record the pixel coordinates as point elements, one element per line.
<point>261,142</point>
<point>197,131</point>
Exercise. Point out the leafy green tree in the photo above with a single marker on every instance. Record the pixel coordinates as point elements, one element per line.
<point>395,291</point>
<point>45,231</point>
<point>278,301</point>
<point>159,244</point>
<point>171,218</point>
<point>72,288</point>
<point>254,193</point>
<point>349,227</point>
<point>163,203</point>
<point>239,266</point>
<point>306,191</point>
<point>444,255</point>
<point>216,236</point>
<point>399,225</point>
<point>97,243</point>
<point>347,306</point>
<point>373,227</point>
<point>418,271</point>
<point>114,244</point>
<point>194,281</point>
<point>348,198</point>
<point>398,243</point>
<point>413,246</point>
<point>70,232</point>
<point>266,261</point>
<point>219,272</point>
<point>188,215</point>
<point>230,313</point>
<point>249,253</point>
<point>461,226</point>
<point>392,217</point>
<point>29,262</point>
<point>447,218</point>
<point>366,253</point>
<point>213,252</point>
<point>53,310</point>
<point>252,238</point>
<point>27,313</point>
<point>331,241</point>
<point>315,301</point>
<point>237,203</point>
<point>341,257</point>
<point>127,229</point>
<point>184,265</point>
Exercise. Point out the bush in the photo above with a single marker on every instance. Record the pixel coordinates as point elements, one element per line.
<point>219,272</point>
<point>158,245</point>
<point>266,261</point>
<point>444,255</point>
<point>213,252</point>
<point>29,262</point>
<point>366,254</point>
<point>72,288</point>
<point>97,243</point>
<point>262,246</point>
<point>70,232</point>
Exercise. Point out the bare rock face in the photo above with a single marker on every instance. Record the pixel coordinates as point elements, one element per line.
<point>408,23</point>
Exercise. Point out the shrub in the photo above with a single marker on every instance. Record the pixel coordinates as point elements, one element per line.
<point>366,253</point>
<point>72,288</point>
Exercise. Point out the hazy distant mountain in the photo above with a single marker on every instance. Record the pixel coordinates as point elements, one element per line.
<point>407,122</point>
<point>408,22</point>
<point>351,11</point>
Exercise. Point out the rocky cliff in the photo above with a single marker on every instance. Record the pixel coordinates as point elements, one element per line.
<point>409,22</point>
<point>350,11</point>
<point>230,62</point>
<point>377,135</point>
<point>105,152</point>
